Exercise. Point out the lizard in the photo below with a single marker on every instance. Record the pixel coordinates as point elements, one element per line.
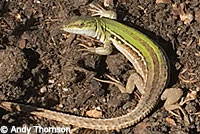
<point>149,61</point>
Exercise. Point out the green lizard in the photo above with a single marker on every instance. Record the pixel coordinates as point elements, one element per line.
<point>147,58</point>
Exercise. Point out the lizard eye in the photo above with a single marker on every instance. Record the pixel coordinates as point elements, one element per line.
<point>81,24</point>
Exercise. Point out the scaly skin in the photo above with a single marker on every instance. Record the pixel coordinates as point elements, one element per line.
<point>148,60</point>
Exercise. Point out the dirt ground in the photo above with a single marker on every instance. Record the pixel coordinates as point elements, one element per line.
<point>43,67</point>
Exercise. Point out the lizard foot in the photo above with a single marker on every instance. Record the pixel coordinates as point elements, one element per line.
<point>114,82</point>
<point>134,80</point>
<point>172,96</point>
<point>98,10</point>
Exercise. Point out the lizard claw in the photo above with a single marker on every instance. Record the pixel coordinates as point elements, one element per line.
<point>114,82</point>
<point>86,48</point>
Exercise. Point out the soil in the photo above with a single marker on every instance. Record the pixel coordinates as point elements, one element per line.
<point>44,67</point>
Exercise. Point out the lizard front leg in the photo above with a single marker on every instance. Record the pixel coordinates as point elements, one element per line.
<point>105,50</point>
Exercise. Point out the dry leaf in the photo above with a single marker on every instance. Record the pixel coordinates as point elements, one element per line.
<point>94,113</point>
<point>141,127</point>
<point>22,43</point>
<point>199,41</point>
<point>107,3</point>
<point>185,16</point>
<point>170,121</point>
<point>197,15</point>
<point>163,1</point>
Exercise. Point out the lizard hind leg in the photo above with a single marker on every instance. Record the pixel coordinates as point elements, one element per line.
<point>171,97</point>
<point>133,81</point>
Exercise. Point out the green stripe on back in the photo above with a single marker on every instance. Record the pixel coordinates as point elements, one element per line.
<point>133,36</point>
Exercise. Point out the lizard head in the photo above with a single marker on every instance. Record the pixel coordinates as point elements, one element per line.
<point>85,25</point>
